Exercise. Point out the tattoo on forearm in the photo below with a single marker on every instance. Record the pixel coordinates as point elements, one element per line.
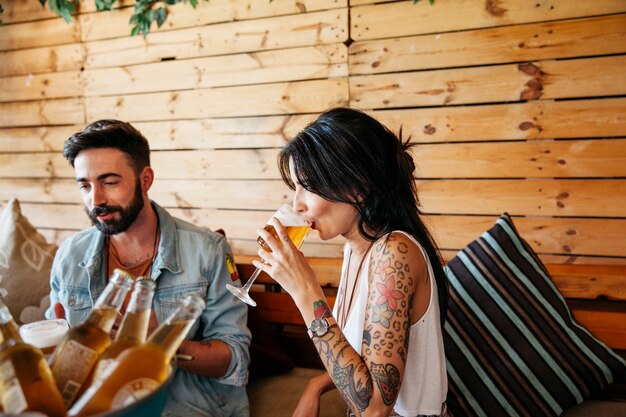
<point>321,309</point>
<point>356,390</point>
<point>387,377</point>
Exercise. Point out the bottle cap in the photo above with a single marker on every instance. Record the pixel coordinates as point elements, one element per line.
<point>44,333</point>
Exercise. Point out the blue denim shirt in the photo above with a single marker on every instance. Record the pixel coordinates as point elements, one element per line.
<point>190,260</point>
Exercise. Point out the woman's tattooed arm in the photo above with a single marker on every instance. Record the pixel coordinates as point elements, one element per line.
<point>372,377</point>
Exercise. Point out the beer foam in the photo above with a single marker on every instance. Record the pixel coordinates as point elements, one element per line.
<point>44,333</point>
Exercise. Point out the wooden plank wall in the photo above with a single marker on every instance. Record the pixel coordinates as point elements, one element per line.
<point>516,106</point>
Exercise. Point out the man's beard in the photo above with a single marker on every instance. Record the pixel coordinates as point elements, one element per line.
<point>128,215</point>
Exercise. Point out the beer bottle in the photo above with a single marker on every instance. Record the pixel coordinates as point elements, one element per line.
<point>134,327</point>
<point>138,371</point>
<point>26,383</point>
<point>74,358</point>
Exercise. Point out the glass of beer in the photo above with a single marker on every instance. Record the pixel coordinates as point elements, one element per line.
<point>297,228</point>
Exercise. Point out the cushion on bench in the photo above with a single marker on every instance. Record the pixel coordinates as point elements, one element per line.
<point>512,346</point>
<point>25,262</point>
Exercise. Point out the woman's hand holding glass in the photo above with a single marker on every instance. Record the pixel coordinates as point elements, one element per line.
<point>285,263</point>
<point>294,231</point>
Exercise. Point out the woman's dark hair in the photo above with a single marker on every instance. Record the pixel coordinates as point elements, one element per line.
<point>110,133</point>
<point>349,157</point>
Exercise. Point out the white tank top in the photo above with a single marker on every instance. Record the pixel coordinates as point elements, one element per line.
<point>425,382</point>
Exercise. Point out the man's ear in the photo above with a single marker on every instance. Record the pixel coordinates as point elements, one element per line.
<point>146,177</point>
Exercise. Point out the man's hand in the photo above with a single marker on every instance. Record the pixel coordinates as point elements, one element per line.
<point>59,311</point>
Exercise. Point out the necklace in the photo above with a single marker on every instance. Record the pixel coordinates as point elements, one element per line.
<point>344,312</point>
<point>108,243</point>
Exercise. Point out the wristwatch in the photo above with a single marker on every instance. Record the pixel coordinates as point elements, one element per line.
<point>319,326</point>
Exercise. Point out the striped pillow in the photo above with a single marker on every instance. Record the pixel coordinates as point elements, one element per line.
<point>511,344</point>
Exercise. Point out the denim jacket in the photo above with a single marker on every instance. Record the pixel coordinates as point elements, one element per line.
<point>190,260</point>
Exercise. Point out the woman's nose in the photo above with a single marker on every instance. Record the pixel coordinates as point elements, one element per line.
<point>298,204</point>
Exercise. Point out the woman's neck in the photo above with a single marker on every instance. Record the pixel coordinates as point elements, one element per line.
<point>358,244</point>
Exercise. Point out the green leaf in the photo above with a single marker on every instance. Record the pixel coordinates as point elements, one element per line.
<point>161,15</point>
<point>104,4</point>
<point>63,8</point>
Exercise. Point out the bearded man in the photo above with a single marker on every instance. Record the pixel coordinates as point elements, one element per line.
<point>113,173</point>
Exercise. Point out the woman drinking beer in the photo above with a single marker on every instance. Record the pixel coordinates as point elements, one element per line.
<point>382,344</point>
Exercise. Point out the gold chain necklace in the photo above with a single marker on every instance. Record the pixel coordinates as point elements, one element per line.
<point>108,242</point>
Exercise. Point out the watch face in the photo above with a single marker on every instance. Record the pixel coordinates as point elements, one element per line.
<point>319,327</point>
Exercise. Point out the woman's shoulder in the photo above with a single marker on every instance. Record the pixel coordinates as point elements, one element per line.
<point>400,248</point>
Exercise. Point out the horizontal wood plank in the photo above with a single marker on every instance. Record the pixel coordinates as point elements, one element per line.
<point>316,28</point>
<point>37,34</point>
<point>42,60</point>
<point>16,11</point>
<point>220,133</point>
<point>564,236</point>
<point>263,99</point>
<point>532,159</point>
<point>586,282</point>
<point>590,281</point>
<point>372,21</point>
<point>501,83</point>
<point>96,26</point>
<point>41,86</point>
<point>533,120</point>
<point>35,139</point>
<point>573,198</point>
<point>230,133</point>
<point>545,235</point>
<point>115,24</point>
<point>249,248</point>
<point>539,41</point>
<point>251,9</point>
<point>314,62</point>
<point>608,326</point>
<point>526,197</point>
<point>43,112</point>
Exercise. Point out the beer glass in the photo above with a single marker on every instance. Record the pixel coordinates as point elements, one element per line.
<point>296,227</point>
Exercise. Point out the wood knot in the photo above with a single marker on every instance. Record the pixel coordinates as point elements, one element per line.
<point>429,129</point>
<point>493,8</point>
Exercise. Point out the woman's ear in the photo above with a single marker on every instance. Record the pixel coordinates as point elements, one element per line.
<point>146,179</point>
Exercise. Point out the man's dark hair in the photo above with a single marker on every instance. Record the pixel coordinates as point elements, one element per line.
<point>110,133</point>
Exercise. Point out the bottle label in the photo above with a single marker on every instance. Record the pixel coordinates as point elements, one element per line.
<point>11,394</point>
<point>133,391</point>
<point>71,368</point>
<point>104,367</point>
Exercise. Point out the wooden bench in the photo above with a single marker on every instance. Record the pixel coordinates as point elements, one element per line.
<point>596,295</point>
